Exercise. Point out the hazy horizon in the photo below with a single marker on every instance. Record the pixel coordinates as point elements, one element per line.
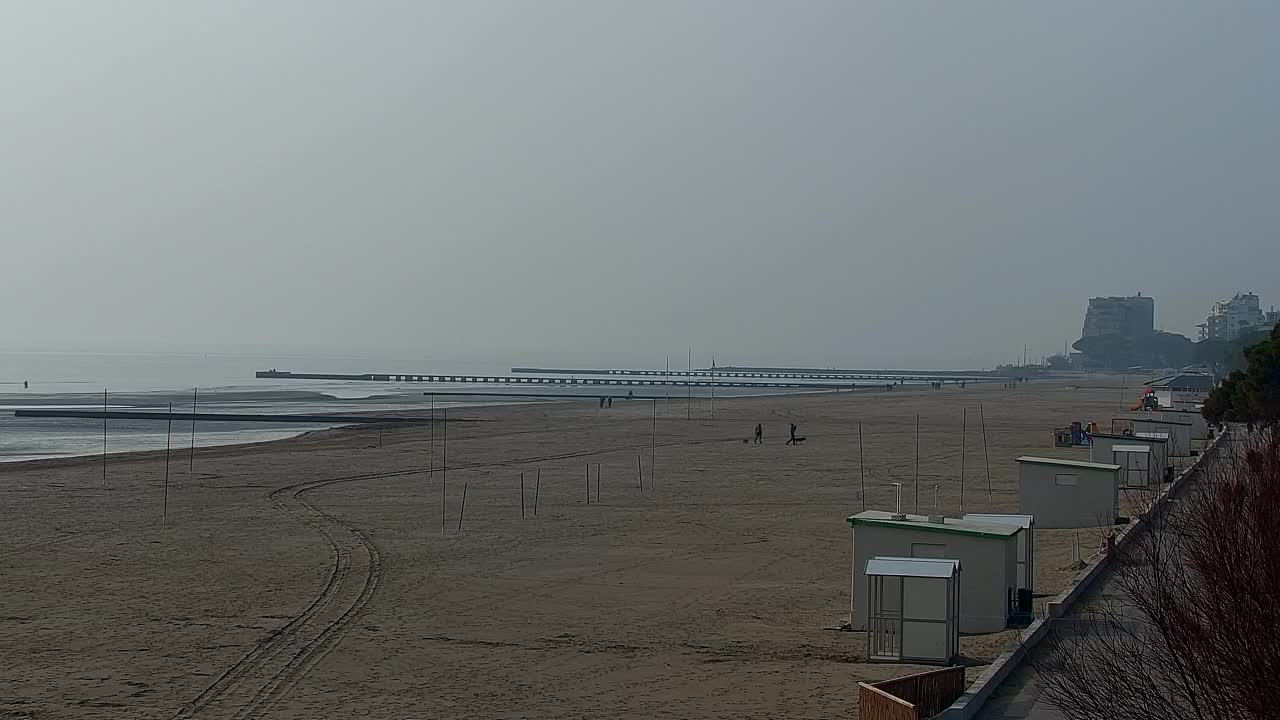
<point>828,184</point>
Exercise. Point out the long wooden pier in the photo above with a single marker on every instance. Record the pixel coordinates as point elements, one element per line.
<point>770,373</point>
<point>561,380</point>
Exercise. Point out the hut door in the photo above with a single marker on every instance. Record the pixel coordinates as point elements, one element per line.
<point>885,636</point>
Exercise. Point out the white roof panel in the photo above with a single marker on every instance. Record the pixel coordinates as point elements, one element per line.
<point>1132,448</point>
<point>1152,436</point>
<point>913,567</point>
<point>1022,521</point>
<point>1161,420</point>
<point>1067,463</point>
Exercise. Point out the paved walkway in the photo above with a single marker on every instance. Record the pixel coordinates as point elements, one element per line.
<point>1020,696</point>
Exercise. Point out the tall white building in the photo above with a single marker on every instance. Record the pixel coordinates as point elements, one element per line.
<point>1131,317</point>
<point>1230,318</point>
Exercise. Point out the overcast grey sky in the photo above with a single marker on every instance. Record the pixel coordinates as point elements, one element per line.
<point>925,184</point>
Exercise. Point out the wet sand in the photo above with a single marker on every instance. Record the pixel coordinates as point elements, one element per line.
<point>309,578</point>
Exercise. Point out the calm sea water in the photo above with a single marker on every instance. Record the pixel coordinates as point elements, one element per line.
<point>226,383</point>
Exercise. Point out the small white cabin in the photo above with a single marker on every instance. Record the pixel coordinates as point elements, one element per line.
<point>1135,465</point>
<point>1101,451</point>
<point>1068,493</point>
<point>914,610</point>
<point>1026,543</point>
<point>1161,448</point>
<point>987,551</point>
<point>1179,433</point>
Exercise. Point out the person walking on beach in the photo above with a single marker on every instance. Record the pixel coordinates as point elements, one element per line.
<point>792,441</point>
<point>759,434</point>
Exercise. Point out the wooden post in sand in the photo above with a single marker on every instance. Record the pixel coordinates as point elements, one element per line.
<point>537,487</point>
<point>444,473</point>
<point>195,396</point>
<point>964,417</point>
<point>666,408</point>
<point>639,474</point>
<point>104,437</point>
<point>653,446</point>
<point>463,507</point>
<point>431,444</point>
<point>597,482</point>
<point>917,482</point>
<point>982,417</point>
<point>689,388</point>
<point>521,495</point>
<point>713,387</point>
<point>587,467</point>
<point>862,467</point>
<point>168,444</point>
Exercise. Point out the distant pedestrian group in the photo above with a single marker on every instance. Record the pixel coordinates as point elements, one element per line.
<point>758,437</point>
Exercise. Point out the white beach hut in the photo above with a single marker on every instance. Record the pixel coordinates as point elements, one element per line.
<point>988,552</point>
<point>1135,465</point>
<point>1102,451</point>
<point>1199,426</point>
<point>913,609</point>
<point>1179,432</point>
<point>1026,543</point>
<point>1068,493</point>
<point>1161,449</point>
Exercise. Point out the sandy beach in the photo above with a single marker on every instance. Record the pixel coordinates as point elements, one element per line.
<point>310,578</point>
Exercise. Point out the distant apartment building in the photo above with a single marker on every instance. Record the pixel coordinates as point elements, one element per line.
<point>1230,318</point>
<point>1131,317</point>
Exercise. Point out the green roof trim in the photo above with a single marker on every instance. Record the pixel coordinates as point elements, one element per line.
<point>953,528</point>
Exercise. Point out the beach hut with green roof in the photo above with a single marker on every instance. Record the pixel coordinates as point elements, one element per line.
<point>987,551</point>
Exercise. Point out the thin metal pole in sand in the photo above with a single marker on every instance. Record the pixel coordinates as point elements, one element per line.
<point>463,507</point>
<point>639,474</point>
<point>964,416</point>
<point>689,388</point>
<point>917,483</point>
<point>982,417</point>
<point>521,495</point>
<point>444,473</point>
<point>104,437</point>
<point>168,445</point>
<point>862,467</point>
<point>537,488</point>
<point>587,466</point>
<point>195,396</point>
<point>666,408</point>
<point>713,387</point>
<point>597,482</point>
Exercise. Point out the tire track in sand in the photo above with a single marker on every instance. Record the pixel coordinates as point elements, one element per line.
<point>251,686</point>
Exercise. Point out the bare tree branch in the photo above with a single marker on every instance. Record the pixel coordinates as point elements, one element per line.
<point>1189,623</point>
